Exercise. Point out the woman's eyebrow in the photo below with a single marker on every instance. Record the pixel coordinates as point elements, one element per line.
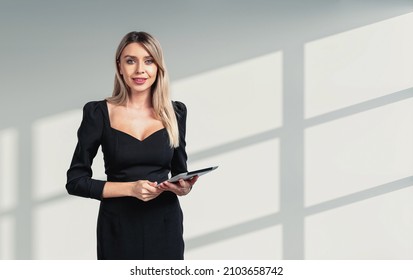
<point>132,56</point>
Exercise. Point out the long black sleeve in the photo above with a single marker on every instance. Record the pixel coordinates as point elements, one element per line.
<point>79,175</point>
<point>178,164</point>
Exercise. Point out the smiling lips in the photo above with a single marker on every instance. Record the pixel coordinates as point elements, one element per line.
<point>139,81</point>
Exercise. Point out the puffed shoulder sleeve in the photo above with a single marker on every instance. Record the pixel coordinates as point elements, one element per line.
<point>79,175</point>
<point>178,164</point>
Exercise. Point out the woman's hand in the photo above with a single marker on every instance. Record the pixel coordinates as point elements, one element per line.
<point>182,187</point>
<point>145,190</point>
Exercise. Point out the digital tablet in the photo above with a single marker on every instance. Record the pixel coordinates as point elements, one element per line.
<point>190,174</point>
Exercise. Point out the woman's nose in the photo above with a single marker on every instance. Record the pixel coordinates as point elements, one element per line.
<point>139,69</point>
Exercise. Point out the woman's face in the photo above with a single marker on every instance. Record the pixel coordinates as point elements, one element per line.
<point>138,68</point>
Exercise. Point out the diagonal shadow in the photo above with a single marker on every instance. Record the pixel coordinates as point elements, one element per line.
<point>360,107</point>
<point>235,145</point>
<point>233,231</point>
<point>359,196</point>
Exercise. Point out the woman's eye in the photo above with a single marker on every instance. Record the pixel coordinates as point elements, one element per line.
<point>149,61</point>
<point>130,61</point>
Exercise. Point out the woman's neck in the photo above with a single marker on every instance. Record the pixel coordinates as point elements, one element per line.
<point>139,101</point>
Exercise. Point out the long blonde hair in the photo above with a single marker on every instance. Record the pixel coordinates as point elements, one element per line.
<point>161,100</point>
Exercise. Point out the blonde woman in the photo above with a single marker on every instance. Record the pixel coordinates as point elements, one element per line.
<point>142,135</point>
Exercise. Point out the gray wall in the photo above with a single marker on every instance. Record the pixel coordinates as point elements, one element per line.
<point>317,94</point>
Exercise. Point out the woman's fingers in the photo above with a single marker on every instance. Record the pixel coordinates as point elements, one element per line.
<point>183,187</point>
<point>146,190</point>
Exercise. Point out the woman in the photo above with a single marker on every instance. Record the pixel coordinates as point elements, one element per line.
<point>142,134</point>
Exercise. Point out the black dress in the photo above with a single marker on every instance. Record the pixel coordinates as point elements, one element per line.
<point>128,228</point>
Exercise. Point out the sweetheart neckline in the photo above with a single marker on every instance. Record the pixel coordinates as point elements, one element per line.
<point>136,138</point>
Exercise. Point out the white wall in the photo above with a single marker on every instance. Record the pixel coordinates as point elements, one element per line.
<point>358,142</point>
<point>357,139</point>
<point>307,113</point>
